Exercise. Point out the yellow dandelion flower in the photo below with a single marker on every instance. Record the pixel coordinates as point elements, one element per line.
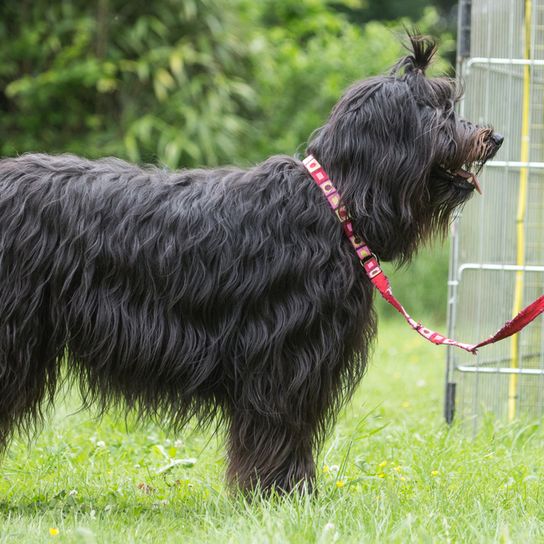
<point>383,464</point>
<point>398,468</point>
<point>402,479</point>
<point>381,475</point>
<point>434,472</point>
<point>53,531</point>
<point>326,469</point>
<point>340,483</point>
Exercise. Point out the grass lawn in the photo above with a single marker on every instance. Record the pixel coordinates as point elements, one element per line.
<point>392,471</point>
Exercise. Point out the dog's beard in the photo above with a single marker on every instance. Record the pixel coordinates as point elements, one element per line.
<point>446,198</point>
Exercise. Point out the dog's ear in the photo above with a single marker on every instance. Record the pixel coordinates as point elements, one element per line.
<point>422,50</point>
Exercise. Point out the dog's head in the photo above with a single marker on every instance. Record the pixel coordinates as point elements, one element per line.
<point>403,158</point>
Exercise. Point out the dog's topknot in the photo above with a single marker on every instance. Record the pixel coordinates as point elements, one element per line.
<point>422,50</point>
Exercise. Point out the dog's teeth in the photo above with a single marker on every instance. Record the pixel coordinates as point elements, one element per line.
<point>470,177</point>
<point>476,183</point>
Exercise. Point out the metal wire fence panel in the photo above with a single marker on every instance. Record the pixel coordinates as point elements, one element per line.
<point>497,261</point>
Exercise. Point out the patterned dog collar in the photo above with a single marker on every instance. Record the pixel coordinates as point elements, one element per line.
<point>371,265</point>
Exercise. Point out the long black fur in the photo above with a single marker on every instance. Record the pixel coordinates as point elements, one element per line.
<point>224,294</point>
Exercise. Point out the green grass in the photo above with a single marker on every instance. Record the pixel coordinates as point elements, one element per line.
<point>392,471</point>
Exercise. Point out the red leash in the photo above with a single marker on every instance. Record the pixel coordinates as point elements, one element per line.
<point>370,263</point>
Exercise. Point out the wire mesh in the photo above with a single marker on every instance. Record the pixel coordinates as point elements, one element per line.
<point>497,260</point>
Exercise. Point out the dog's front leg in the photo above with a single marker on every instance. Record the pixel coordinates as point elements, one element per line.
<point>269,453</point>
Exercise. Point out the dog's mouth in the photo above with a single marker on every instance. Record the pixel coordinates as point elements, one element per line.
<point>460,177</point>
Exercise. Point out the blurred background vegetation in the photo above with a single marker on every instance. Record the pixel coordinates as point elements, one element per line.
<point>185,83</point>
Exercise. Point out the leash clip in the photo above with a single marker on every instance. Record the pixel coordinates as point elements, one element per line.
<point>372,270</point>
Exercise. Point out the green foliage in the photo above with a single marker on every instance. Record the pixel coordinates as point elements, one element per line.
<point>311,56</point>
<point>363,11</point>
<point>157,81</point>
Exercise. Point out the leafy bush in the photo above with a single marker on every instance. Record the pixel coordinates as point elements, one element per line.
<point>157,81</point>
<point>198,82</point>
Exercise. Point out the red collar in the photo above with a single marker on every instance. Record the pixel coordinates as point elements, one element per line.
<point>371,265</point>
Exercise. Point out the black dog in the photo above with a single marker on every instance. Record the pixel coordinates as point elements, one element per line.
<point>230,295</point>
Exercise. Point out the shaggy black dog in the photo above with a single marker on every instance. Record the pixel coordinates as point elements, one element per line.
<point>230,295</point>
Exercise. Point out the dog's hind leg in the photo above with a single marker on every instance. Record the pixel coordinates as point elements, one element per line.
<point>28,368</point>
<point>31,332</point>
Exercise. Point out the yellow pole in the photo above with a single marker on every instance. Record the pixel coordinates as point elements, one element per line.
<point>521,213</point>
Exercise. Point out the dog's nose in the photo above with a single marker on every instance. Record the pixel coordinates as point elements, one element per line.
<point>497,139</point>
